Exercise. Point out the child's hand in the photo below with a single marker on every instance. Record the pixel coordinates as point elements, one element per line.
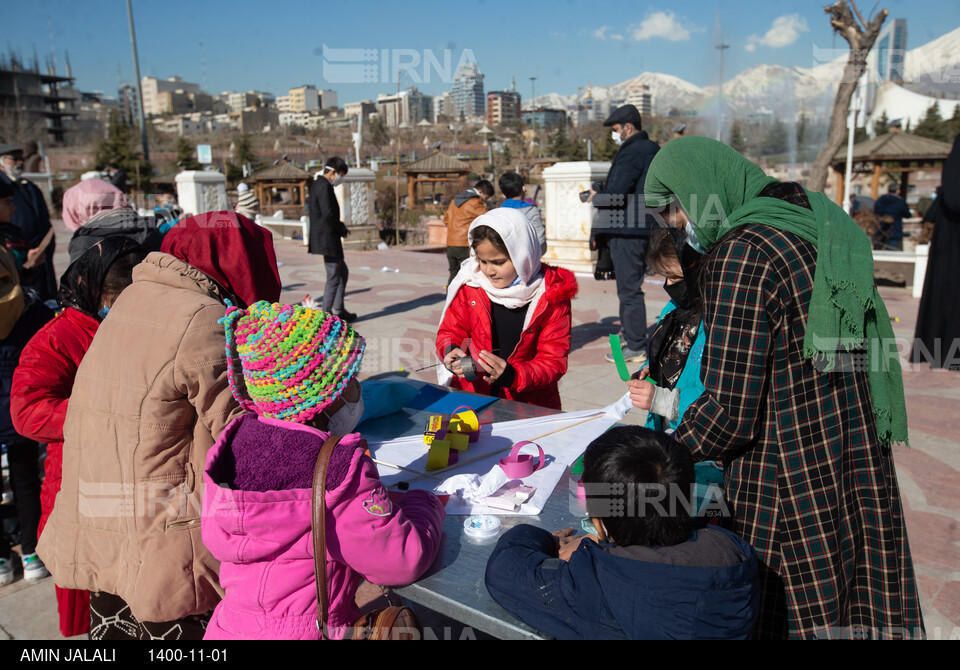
<point>452,361</point>
<point>568,542</point>
<point>641,393</point>
<point>34,259</point>
<point>494,365</point>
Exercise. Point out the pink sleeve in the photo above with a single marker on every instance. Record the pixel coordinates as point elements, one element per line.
<point>390,545</point>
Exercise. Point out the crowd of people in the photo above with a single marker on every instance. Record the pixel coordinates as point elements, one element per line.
<point>184,407</point>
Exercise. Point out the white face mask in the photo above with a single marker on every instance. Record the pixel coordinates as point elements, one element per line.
<point>616,138</point>
<point>346,419</point>
<point>338,181</point>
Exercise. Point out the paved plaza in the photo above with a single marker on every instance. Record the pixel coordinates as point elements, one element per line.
<point>399,296</point>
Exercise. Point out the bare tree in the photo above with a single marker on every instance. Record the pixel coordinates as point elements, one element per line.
<point>860,35</point>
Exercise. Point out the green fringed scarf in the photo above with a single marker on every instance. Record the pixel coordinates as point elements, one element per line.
<point>718,190</point>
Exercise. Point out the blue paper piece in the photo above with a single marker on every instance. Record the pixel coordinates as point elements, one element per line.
<point>382,397</point>
<point>437,400</point>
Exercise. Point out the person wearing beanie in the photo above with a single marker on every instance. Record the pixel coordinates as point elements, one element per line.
<point>294,370</point>
<point>149,399</point>
<point>248,204</point>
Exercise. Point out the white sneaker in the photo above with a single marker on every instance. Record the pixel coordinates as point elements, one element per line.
<point>33,568</point>
<point>6,571</point>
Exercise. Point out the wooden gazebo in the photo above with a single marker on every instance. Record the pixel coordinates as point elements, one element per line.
<point>893,153</point>
<point>286,178</point>
<point>436,167</point>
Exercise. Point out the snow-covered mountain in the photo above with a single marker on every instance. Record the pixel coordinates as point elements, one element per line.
<point>934,66</point>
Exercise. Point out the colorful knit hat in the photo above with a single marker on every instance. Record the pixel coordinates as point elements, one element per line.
<point>287,361</point>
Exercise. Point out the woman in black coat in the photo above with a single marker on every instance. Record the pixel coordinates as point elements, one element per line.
<point>937,340</point>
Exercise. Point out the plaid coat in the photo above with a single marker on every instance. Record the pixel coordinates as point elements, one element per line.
<point>808,483</point>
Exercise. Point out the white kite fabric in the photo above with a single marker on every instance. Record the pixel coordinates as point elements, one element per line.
<point>565,437</point>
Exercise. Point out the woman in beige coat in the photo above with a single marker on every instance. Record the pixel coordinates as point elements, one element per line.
<point>150,398</point>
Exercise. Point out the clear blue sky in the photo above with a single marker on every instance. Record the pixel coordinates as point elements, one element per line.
<point>564,43</point>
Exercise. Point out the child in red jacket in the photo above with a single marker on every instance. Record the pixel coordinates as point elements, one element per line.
<point>509,313</point>
<point>48,365</point>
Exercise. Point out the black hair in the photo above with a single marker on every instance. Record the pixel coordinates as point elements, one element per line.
<point>488,234</point>
<point>893,187</point>
<point>511,185</point>
<point>639,482</point>
<point>120,274</point>
<point>337,164</point>
<point>484,187</point>
<point>662,250</point>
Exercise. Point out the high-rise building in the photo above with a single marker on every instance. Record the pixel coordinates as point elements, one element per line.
<point>155,103</point>
<point>413,107</point>
<point>35,102</point>
<point>467,94</point>
<point>129,103</point>
<point>640,97</point>
<point>890,51</point>
<point>543,118</point>
<point>328,99</point>
<point>304,99</point>
<point>502,106</point>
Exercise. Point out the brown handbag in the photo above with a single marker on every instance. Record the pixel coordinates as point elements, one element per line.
<point>396,622</point>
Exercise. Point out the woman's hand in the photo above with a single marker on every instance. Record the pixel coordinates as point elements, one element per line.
<point>494,365</point>
<point>452,361</point>
<point>641,393</point>
<point>567,542</point>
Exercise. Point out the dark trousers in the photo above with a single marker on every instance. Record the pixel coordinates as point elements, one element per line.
<point>23,458</point>
<point>629,256</point>
<point>337,275</point>
<point>456,256</point>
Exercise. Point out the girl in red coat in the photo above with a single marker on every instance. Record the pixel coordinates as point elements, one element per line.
<point>44,378</point>
<point>509,313</point>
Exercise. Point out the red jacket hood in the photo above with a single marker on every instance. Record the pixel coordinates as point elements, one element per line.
<point>561,284</point>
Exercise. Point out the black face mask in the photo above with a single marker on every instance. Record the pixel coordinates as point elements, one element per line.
<point>679,292</point>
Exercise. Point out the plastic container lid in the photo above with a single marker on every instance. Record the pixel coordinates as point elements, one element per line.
<point>481,526</point>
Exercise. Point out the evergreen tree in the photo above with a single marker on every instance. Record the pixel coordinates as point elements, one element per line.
<point>606,149</point>
<point>880,125</point>
<point>122,146</point>
<point>801,130</point>
<point>931,125</point>
<point>187,155</point>
<point>776,140</point>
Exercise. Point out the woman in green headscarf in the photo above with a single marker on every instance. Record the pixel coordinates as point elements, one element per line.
<point>803,394</point>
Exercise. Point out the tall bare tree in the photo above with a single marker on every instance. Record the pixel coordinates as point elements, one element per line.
<point>860,35</point>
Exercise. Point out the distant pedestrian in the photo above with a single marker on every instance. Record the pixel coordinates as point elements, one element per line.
<point>248,204</point>
<point>463,209</point>
<point>326,235</point>
<point>511,186</point>
<point>891,210</point>
<point>33,219</point>
<point>622,224</point>
<point>118,176</point>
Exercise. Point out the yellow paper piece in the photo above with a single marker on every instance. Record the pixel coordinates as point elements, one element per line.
<point>458,441</point>
<point>439,455</point>
<point>469,422</point>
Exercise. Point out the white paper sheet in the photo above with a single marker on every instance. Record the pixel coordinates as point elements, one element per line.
<point>569,435</point>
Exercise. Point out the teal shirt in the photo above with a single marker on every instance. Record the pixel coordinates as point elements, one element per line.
<point>689,383</point>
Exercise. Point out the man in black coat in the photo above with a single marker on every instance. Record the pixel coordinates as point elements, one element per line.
<point>326,231</point>
<point>623,224</point>
<point>33,219</point>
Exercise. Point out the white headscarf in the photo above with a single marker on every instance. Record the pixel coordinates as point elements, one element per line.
<point>523,246</point>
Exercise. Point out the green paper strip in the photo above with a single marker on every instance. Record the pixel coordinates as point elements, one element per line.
<point>617,352</point>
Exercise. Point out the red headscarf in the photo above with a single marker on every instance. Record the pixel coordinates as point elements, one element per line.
<point>230,249</point>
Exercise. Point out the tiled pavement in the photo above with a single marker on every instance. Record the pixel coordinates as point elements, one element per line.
<point>398,316</point>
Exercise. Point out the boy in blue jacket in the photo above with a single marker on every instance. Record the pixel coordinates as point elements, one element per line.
<point>649,573</point>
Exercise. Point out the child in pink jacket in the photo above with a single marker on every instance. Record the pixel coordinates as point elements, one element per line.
<point>294,369</point>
